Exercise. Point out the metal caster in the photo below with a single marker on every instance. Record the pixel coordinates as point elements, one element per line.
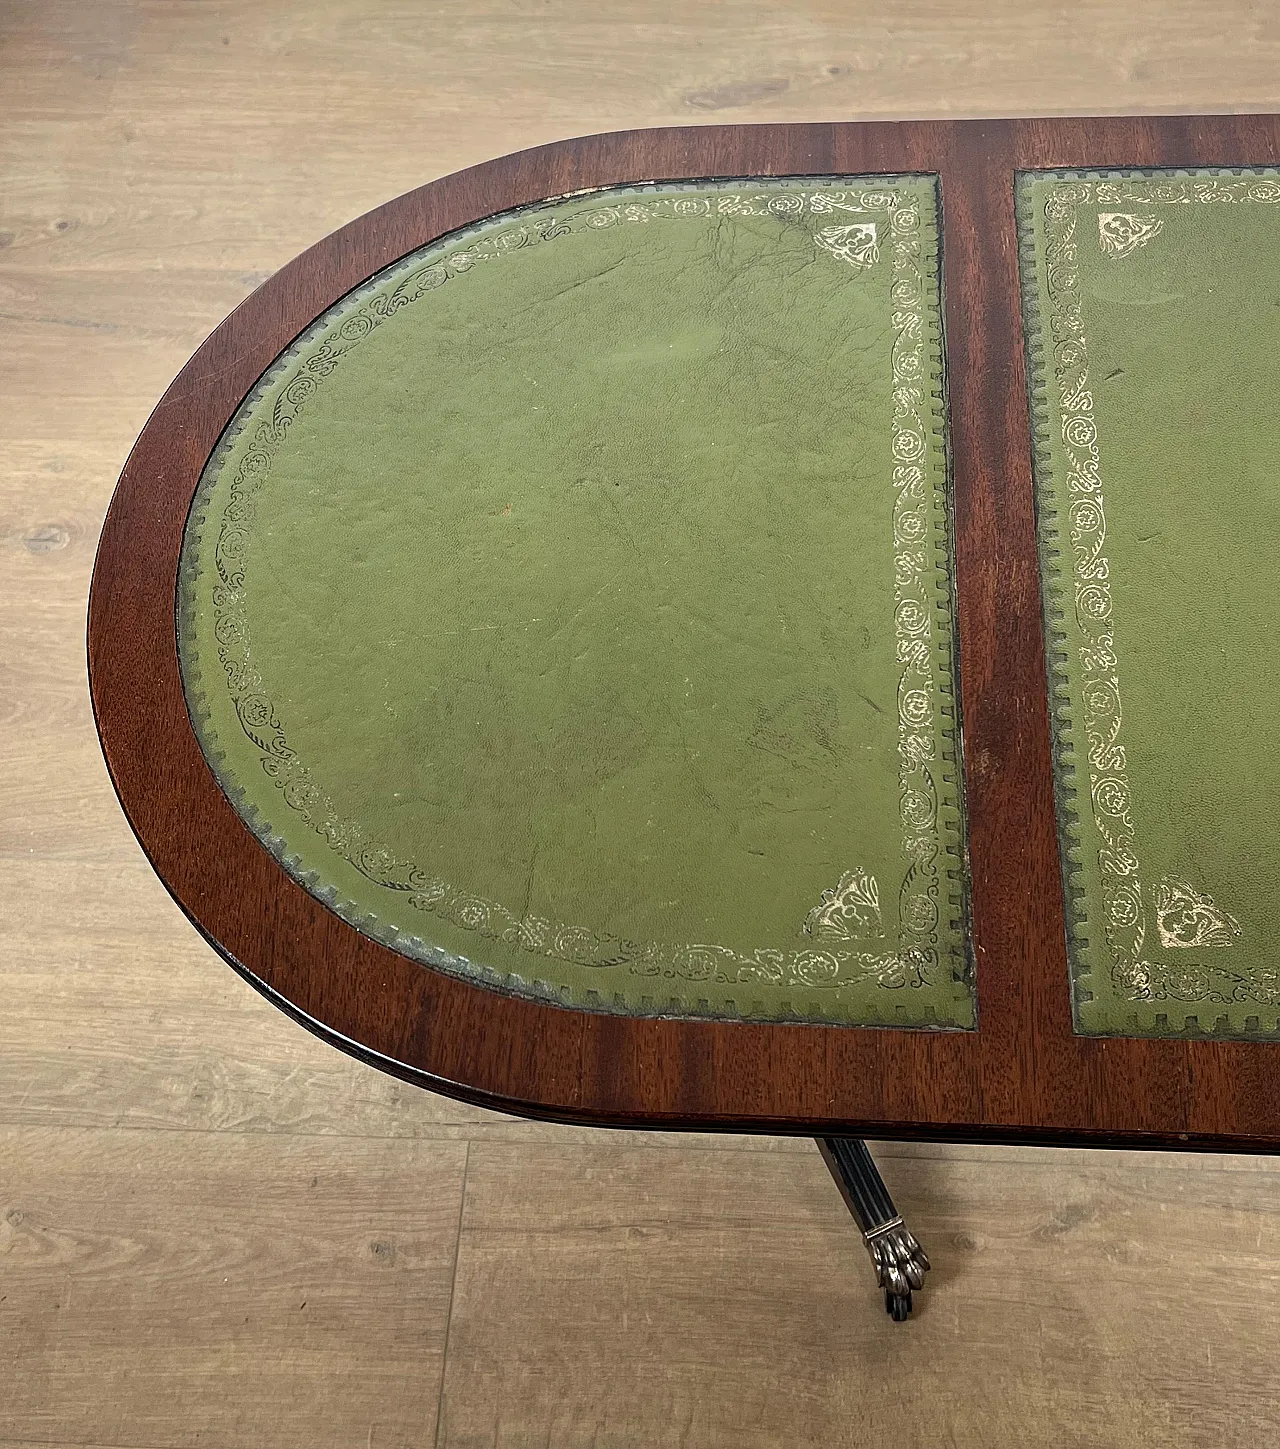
<point>897,1306</point>
<point>898,1259</point>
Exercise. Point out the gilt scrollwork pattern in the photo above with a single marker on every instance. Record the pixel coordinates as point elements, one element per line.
<point>915,603</point>
<point>1185,917</point>
<point>837,955</point>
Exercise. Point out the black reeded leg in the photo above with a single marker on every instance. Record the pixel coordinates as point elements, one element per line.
<point>899,1260</point>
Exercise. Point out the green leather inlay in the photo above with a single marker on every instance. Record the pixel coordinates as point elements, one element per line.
<point>570,607</point>
<point>1152,309</point>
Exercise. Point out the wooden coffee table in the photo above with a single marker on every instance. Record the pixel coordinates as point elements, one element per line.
<point>1022,1073</point>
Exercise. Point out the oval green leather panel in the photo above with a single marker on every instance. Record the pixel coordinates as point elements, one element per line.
<point>1152,307</point>
<point>571,606</point>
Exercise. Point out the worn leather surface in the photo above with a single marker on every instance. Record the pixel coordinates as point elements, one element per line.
<point>539,610</point>
<point>1153,311</point>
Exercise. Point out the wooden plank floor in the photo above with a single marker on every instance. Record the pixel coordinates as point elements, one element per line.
<point>215,1231</point>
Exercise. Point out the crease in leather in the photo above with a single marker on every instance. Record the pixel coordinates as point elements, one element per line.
<point>538,608</point>
<point>1152,317</point>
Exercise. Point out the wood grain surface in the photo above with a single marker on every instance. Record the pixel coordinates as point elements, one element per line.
<point>157,162</point>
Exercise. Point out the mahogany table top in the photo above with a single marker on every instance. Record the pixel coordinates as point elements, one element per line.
<point>1012,1062</point>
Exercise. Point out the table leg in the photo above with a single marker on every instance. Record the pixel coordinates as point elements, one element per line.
<point>899,1260</point>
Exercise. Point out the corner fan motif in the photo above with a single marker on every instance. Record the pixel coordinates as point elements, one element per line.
<point>849,912</point>
<point>1185,918</point>
<point>854,244</point>
<point>1121,233</point>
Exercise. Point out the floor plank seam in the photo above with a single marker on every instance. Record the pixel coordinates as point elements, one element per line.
<point>453,1285</point>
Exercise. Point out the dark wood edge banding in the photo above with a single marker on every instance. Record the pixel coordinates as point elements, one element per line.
<point>1023,1076</point>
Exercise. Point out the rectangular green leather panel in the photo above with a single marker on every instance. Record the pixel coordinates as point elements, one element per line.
<point>1152,317</point>
<point>571,606</point>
